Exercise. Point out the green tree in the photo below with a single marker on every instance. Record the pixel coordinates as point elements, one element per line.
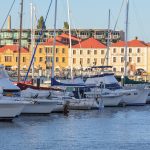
<point>41,23</point>
<point>66,25</point>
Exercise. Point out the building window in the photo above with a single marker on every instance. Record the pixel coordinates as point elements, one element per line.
<point>63,50</point>
<point>130,50</point>
<point>138,50</point>
<point>16,59</point>
<point>122,69</point>
<point>138,59</point>
<point>114,69</point>
<point>102,60</point>
<point>95,61</point>
<point>102,52</point>
<point>51,59</point>
<point>122,50</point>
<point>74,60</point>
<point>130,59</point>
<point>122,59</point>
<point>40,50</point>
<point>57,50</point>
<point>88,61</point>
<point>88,52</point>
<point>63,59</point>
<point>57,59</point>
<point>51,50</point>
<point>47,50</point>
<point>24,59</point>
<point>74,52</point>
<point>114,50</point>
<point>114,59</point>
<point>8,58</point>
<point>95,52</point>
<point>81,52</point>
<point>34,59</point>
<point>81,61</point>
<point>40,59</point>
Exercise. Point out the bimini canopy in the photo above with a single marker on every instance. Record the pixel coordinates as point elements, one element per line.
<point>68,83</point>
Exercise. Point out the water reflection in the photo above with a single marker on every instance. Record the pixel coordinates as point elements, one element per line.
<point>109,129</point>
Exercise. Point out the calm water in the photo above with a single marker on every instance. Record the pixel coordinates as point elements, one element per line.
<point>111,129</point>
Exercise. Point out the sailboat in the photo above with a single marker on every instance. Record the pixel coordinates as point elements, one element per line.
<point>36,105</point>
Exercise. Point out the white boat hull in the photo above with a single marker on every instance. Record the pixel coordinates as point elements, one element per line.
<point>40,107</point>
<point>111,101</point>
<point>10,109</point>
<point>83,104</point>
<point>135,98</point>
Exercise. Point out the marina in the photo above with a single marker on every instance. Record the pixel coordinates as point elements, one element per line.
<point>72,90</point>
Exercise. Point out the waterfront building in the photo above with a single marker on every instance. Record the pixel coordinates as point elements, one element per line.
<point>11,36</point>
<point>138,54</point>
<point>87,53</point>
<point>9,57</point>
<point>44,55</point>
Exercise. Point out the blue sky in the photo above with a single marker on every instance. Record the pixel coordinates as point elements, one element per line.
<point>86,14</point>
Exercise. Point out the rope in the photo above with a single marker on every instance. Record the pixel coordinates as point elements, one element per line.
<point>38,41</point>
<point>8,14</point>
<point>119,15</point>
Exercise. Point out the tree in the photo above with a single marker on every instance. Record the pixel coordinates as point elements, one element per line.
<point>41,23</point>
<point>66,25</point>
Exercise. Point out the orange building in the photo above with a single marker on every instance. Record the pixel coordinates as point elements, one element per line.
<point>9,57</point>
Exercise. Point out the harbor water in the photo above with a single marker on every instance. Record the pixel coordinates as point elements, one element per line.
<point>108,129</point>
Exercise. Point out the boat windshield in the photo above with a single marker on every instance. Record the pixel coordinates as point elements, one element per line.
<point>3,73</point>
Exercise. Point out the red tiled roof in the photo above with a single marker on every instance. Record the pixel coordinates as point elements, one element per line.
<point>118,44</point>
<point>90,43</point>
<point>49,42</point>
<point>64,35</point>
<point>132,43</point>
<point>148,44</point>
<point>13,48</point>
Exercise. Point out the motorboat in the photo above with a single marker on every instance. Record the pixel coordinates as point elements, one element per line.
<point>39,106</point>
<point>11,107</point>
<point>108,97</point>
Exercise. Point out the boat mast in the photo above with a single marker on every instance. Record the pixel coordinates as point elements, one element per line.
<point>32,49</point>
<point>126,38</point>
<point>70,42</point>
<point>20,37</point>
<point>54,42</point>
<point>108,40</point>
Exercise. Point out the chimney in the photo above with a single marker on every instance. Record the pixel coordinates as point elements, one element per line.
<point>9,22</point>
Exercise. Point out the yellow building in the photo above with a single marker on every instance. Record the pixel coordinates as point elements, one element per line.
<point>9,57</point>
<point>44,55</point>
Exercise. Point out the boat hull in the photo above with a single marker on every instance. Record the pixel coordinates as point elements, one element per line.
<point>40,107</point>
<point>135,98</point>
<point>10,110</point>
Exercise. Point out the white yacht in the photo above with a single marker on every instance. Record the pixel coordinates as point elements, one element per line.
<point>11,107</point>
<point>131,96</point>
<point>43,101</point>
<point>39,106</point>
<point>108,97</point>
